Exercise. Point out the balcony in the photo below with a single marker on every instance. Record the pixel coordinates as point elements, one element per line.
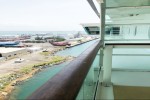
<point>116,67</point>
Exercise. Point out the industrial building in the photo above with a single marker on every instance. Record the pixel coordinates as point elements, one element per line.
<point>11,52</point>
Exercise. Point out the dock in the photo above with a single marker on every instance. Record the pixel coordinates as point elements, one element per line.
<point>80,43</point>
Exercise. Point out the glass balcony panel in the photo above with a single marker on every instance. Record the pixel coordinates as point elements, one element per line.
<point>131,59</point>
<point>88,89</point>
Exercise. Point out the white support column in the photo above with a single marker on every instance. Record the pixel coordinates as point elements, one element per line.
<point>106,51</point>
<point>102,20</point>
<point>107,65</point>
<point>102,4</point>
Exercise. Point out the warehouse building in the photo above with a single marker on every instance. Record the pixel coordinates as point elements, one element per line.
<point>11,52</point>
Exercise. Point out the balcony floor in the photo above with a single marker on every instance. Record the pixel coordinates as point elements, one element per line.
<point>127,84</point>
<point>131,85</point>
<point>131,92</point>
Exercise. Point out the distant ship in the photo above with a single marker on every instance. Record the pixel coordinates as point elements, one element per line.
<point>63,43</point>
<point>9,43</point>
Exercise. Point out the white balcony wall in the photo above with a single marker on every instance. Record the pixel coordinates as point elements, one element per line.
<point>135,31</point>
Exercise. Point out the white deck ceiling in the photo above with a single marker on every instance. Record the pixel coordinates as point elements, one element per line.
<point>128,11</point>
<point>127,3</point>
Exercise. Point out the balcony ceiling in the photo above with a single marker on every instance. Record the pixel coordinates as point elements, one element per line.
<point>131,11</point>
<point>127,3</point>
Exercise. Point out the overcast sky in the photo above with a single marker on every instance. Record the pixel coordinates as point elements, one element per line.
<point>45,15</point>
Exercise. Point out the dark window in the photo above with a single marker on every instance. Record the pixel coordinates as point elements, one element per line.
<point>0,55</point>
<point>116,30</point>
<point>107,31</point>
<point>97,32</point>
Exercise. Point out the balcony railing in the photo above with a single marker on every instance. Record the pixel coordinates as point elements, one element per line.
<point>67,83</point>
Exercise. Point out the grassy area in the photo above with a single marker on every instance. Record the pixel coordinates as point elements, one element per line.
<point>28,69</point>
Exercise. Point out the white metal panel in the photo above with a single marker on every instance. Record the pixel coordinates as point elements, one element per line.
<point>125,31</point>
<point>142,32</point>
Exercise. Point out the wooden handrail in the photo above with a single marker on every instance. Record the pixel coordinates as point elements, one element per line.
<point>66,84</point>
